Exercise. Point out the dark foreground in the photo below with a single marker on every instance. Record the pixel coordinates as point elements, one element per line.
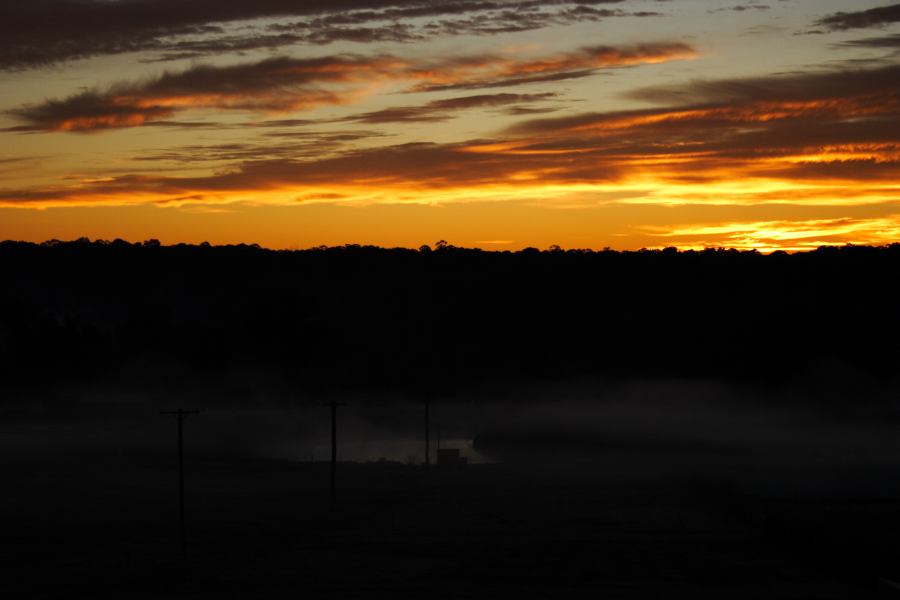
<point>262,529</point>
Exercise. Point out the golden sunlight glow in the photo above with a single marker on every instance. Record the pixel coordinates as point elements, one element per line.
<point>768,236</point>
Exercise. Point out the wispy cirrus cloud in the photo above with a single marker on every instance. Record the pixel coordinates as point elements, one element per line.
<point>291,84</point>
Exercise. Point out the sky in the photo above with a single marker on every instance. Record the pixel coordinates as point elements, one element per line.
<point>500,124</point>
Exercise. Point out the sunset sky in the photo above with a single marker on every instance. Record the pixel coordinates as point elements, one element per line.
<point>497,124</point>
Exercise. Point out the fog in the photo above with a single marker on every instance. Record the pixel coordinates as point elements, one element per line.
<point>834,433</point>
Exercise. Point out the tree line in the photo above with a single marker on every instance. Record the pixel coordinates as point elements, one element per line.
<point>364,317</point>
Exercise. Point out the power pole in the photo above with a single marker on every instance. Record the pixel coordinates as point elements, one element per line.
<point>334,404</point>
<point>437,428</point>
<point>181,415</point>
<point>427,431</point>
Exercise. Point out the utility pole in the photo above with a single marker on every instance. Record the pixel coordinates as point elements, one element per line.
<point>181,415</point>
<point>427,431</point>
<point>334,404</point>
<point>437,431</point>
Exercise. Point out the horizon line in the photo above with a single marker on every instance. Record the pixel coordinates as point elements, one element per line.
<point>440,246</point>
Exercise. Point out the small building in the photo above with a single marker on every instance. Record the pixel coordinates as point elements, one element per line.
<point>449,457</point>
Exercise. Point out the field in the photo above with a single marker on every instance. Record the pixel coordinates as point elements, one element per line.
<point>107,527</point>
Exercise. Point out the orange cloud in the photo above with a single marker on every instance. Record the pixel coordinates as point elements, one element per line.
<point>828,127</point>
<point>273,85</point>
<point>288,85</point>
<point>498,71</point>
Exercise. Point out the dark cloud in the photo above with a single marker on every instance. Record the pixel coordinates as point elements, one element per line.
<point>186,49</point>
<point>441,110</point>
<point>87,111</point>
<point>846,123</point>
<point>521,111</point>
<point>741,8</point>
<point>277,84</point>
<point>888,41</point>
<point>293,145</point>
<point>583,62</point>
<point>44,32</point>
<point>843,127</point>
<point>481,84</point>
<point>835,85</point>
<point>873,17</point>
<point>6,160</point>
<point>519,18</point>
<point>280,123</point>
<point>288,84</point>
<point>424,165</point>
